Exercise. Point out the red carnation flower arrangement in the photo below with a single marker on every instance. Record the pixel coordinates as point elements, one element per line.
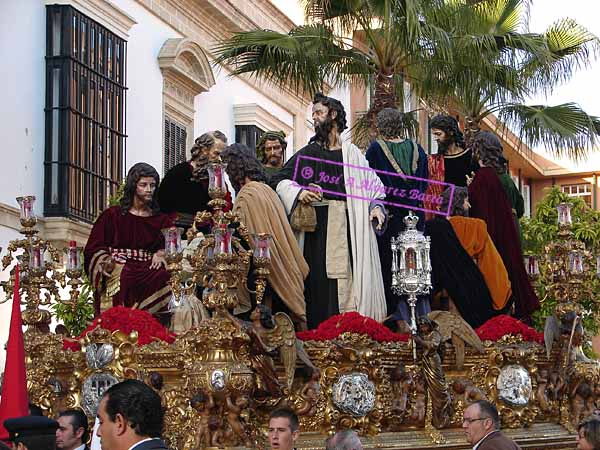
<point>502,325</point>
<point>351,322</point>
<point>126,320</point>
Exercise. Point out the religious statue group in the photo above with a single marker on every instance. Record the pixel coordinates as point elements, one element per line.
<point>332,211</point>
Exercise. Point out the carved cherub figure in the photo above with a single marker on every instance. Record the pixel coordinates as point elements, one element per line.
<point>468,391</point>
<point>579,395</point>
<point>216,431</point>
<point>541,393</point>
<point>402,385</point>
<point>234,411</point>
<point>310,394</point>
<point>203,404</point>
<point>556,386</point>
<point>420,400</point>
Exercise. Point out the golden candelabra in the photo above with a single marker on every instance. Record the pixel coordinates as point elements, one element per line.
<point>40,279</point>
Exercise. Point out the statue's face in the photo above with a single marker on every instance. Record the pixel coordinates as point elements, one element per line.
<point>274,152</point>
<point>144,189</point>
<point>440,136</point>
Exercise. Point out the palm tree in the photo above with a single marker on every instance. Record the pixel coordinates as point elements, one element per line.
<point>348,41</point>
<point>520,65</point>
<point>472,56</point>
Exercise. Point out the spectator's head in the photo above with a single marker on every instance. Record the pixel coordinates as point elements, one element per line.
<point>283,429</point>
<point>344,440</point>
<point>458,203</point>
<point>446,132</point>
<point>389,123</point>
<point>129,412</point>
<point>588,434</point>
<point>141,183</point>
<point>242,166</point>
<point>271,148</point>
<point>327,113</point>
<point>487,150</point>
<point>72,429</point>
<point>32,432</point>
<point>35,410</point>
<point>479,419</point>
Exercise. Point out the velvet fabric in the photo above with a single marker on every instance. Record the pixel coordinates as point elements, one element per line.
<point>455,271</point>
<point>138,285</point>
<point>490,203</point>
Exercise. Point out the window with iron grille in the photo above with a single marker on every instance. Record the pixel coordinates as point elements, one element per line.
<point>85,114</point>
<point>249,135</point>
<point>175,138</point>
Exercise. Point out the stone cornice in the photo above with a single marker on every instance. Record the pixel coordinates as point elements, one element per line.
<point>58,230</point>
<point>104,12</point>
<point>254,114</point>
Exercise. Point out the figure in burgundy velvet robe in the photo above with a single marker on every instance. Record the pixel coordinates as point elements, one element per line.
<point>130,241</point>
<point>489,202</point>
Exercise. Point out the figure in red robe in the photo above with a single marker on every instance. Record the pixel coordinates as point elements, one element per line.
<point>490,202</point>
<point>124,255</point>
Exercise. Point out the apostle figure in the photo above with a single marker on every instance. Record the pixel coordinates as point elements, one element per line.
<point>394,154</point>
<point>489,202</point>
<point>124,255</point>
<point>475,239</point>
<point>271,151</point>
<point>341,250</point>
<point>184,189</point>
<point>454,272</point>
<point>514,195</point>
<point>453,162</point>
<point>261,211</point>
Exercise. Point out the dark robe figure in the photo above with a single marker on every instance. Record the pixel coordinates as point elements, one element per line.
<point>320,291</point>
<point>184,189</point>
<point>345,271</point>
<point>489,202</point>
<point>411,159</point>
<point>123,244</point>
<point>454,270</point>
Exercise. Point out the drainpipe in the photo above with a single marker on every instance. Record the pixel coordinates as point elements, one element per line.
<point>595,192</point>
<point>520,181</point>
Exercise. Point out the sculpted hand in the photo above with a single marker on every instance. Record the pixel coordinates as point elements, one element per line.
<point>470,178</point>
<point>107,267</point>
<point>158,260</point>
<point>308,197</point>
<point>377,213</point>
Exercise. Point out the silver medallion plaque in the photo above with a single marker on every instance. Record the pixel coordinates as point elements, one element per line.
<point>514,385</point>
<point>93,389</point>
<point>99,355</point>
<point>354,394</point>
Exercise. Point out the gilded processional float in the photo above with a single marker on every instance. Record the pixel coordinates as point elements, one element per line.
<point>220,379</point>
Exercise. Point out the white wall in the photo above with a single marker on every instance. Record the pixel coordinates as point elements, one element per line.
<point>22,88</point>
<point>145,82</point>
<point>214,109</point>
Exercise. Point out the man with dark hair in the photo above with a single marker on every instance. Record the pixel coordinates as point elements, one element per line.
<point>482,428</point>
<point>344,440</point>
<point>72,433</point>
<point>330,180</point>
<point>131,417</point>
<point>283,429</point>
<point>271,151</point>
<point>261,211</point>
<point>124,255</point>
<point>391,153</point>
<point>32,432</point>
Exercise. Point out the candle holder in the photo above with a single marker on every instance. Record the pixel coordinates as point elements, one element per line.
<point>531,266</point>
<point>74,271</point>
<point>575,262</point>
<point>173,258</point>
<point>262,261</point>
<point>27,217</point>
<point>564,215</point>
<point>216,185</point>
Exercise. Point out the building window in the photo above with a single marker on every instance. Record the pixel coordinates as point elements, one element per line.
<point>85,114</point>
<point>583,190</point>
<point>249,135</point>
<point>175,143</point>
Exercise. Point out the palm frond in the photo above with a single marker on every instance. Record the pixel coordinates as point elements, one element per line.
<point>303,59</point>
<point>565,129</point>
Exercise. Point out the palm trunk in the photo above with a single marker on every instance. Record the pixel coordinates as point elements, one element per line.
<point>384,96</point>
<point>472,127</point>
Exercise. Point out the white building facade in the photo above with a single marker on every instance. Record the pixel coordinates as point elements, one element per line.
<point>90,87</point>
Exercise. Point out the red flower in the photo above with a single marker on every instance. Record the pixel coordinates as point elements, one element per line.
<point>499,326</point>
<point>351,322</point>
<point>127,320</point>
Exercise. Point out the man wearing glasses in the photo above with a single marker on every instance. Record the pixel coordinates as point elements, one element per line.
<point>482,428</point>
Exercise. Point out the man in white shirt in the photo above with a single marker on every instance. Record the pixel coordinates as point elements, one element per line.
<point>283,429</point>
<point>482,428</point>
<point>72,433</point>
<point>131,418</point>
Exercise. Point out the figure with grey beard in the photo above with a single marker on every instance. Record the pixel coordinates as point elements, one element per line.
<point>345,271</point>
